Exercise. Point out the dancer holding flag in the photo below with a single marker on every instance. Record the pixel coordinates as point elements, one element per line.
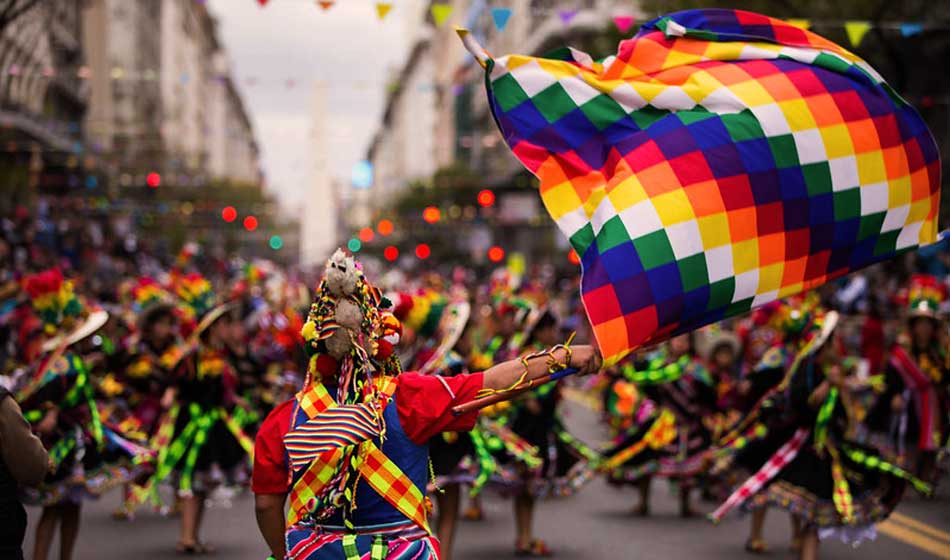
<point>350,450</point>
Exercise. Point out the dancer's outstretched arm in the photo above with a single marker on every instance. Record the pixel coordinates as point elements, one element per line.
<point>586,359</point>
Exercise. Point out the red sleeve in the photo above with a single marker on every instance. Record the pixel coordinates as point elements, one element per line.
<point>270,475</point>
<point>425,404</point>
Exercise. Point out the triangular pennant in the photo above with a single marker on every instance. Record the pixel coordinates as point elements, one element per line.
<point>856,31</point>
<point>566,16</point>
<point>382,8</point>
<point>910,29</point>
<point>500,15</point>
<point>799,23</point>
<point>262,2</point>
<point>325,4</point>
<point>623,22</point>
<point>440,13</point>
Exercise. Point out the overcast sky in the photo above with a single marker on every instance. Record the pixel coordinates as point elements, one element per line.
<point>281,52</point>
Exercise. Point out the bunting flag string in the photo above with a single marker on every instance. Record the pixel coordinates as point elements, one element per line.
<point>924,101</point>
<point>855,29</point>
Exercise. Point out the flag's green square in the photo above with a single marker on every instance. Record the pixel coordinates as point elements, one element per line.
<point>817,178</point>
<point>553,102</point>
<point>654,249</point>
<point>603,111</point>
<point>508,92</point>
<point>693,273</point>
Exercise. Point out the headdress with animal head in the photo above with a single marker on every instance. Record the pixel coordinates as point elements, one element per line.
<point>351,323</point>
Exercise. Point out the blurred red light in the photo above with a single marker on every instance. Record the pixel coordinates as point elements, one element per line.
<point>423,251</point>
<point>250,223</point>
<point>366,234</point>
<point>153,179</point>
<point>431,214</point>
<point>228,214</point>
<point>495,254</point>
<point>486,198</point>
<point>391,253</point>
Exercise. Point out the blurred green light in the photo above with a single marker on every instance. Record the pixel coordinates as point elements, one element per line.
<point>276,242</point>
<point>354,245</point>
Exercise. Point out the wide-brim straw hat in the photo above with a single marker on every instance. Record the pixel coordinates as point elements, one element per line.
<point>92,323</point>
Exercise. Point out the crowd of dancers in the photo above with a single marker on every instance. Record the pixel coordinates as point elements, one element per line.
<point>828,414</point>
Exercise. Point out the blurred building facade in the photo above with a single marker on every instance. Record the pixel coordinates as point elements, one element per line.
<point>162,97</point>
<point>42,99</point>
<point>128,108</point>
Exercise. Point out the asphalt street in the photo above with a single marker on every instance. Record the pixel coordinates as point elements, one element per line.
<point>593,524</point>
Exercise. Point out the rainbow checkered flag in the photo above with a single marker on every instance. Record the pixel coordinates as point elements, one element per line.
<point>720,160</point>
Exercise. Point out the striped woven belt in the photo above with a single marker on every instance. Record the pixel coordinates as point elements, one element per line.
<point>400,530</point>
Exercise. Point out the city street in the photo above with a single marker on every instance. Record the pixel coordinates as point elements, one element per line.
<point>593,524</point>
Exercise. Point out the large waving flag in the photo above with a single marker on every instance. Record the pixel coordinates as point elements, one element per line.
<point>720,160</point>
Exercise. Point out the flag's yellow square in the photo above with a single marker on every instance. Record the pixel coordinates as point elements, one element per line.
<point>627,193</point>
<point>714,230</point>
<point>673,207</point>
<point>798,115</point>
<point>837,140</point>
<point>745,256</point>
<point>561,199</point>
<point>871,167</point>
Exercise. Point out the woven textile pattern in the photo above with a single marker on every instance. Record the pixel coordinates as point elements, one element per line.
<point>720,160</point>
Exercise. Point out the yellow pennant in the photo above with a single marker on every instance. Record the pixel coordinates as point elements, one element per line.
<point>440,13</point>
<point>800,23</point>
<point>856,31</point>
<point>382,8</point>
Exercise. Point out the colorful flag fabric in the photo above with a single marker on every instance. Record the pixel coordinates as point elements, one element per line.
<point>720,160</point>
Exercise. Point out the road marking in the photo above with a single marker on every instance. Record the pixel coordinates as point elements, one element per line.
<point>909,536</point>
<point>920,526</point>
